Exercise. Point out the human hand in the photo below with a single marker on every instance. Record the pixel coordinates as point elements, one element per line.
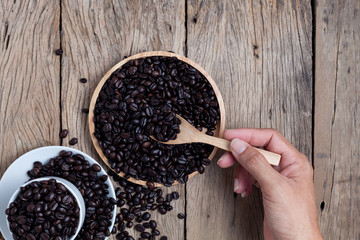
<point>287,190</point>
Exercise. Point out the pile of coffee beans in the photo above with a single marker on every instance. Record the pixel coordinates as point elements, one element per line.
<point>135,203</point>
<point>140,100</point>
<point>43,210</point>
<point>76,169</point>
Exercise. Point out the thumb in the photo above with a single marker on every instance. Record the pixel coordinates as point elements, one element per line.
<point>254,162</point>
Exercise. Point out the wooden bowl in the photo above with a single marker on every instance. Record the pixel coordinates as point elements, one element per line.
<point>219,128</point>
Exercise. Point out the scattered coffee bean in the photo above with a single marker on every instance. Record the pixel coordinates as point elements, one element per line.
<point>85,110</point>
<point>129,224</point>
<point>145,235</point>
<point>181,216</point>
<point>146,225</point>
<point>137,202</point>
<point>153,224</point>
<point>164,238</point>
<point>64,133</point>
<point>76,169</point>
<point>40,197</point>
<point>155,232</point>
<point>59,51</point>
<point>139,228</point>
<point>73,141</point>
<point>140,100</point>
<point>146,216</point>
<point>83,80</point>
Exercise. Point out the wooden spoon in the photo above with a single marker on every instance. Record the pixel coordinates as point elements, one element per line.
<point>189,134</point>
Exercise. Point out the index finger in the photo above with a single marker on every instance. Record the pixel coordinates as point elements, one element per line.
<point>269,139</point>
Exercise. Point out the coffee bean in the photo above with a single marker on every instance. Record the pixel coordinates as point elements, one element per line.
<point>96,167</point>
<point>175,195</point>
<point>139,228</point>
<point>201,169</point>
<point>153,224</point>
<point>133,107</point>
<point>83,80</point>
<point>146,216</point>
<point>85,110</point>
<point>155,73</point>
<point>164,238</point>
<point>73,141</point>
<point>129,224</point>
<point>30,208</point>
<point>150,185</point>
<point>181,216</point>
<point>145,235</point>
<point>64,133</point>
<point>146,225</point>
<point>155,232</point>
<point>59,51</point>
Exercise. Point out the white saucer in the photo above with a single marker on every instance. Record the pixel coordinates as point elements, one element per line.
<point>16,175</point>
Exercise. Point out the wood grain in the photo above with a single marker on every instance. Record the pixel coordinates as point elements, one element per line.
<point>259,54</point>
<point>96,36</point>
<point>29,77</point>
<point>337,128</point>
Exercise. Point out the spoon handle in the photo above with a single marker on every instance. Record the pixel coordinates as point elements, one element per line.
<point>272,158</point>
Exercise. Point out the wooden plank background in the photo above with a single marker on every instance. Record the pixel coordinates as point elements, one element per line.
<point>29,77</point>
<point>337,114</point>
<point>259,52</point>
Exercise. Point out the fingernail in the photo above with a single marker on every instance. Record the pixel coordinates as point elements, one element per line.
<point>243,194</point>
<point>238,146</point>
<point>220,159</point>
<point>236,184</point>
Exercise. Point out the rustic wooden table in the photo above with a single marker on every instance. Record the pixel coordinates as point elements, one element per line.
<point>289,65</point>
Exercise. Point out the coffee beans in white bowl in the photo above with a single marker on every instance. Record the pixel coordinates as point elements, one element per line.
<point>46,208</point>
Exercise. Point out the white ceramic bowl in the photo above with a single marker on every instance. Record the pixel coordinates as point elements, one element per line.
<point>70,187</point>
<point>16,175</point>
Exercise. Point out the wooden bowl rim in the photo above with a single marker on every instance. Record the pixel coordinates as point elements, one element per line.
<point>218,132</point>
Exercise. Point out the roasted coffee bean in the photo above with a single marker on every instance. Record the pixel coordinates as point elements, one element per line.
<point>175,195</point>
<point>38,200</point>
<point>140,100</point>
<point>73,141</point>
<point>59,51</point>
<point>129,224</point>
<point>181,216</point>
<point>145,235</point>
<point>164,238</point>
<point>201,169</point>
<point>150,185</point>
<point>153,224</point>
<point>146,216</point>
<point>139,228</point>
<point>155,232</point>
<point>64,133</point>
<point>85,110</point>
<point>146,225</point>
<point>96,167</point>
<point>83,80</point>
